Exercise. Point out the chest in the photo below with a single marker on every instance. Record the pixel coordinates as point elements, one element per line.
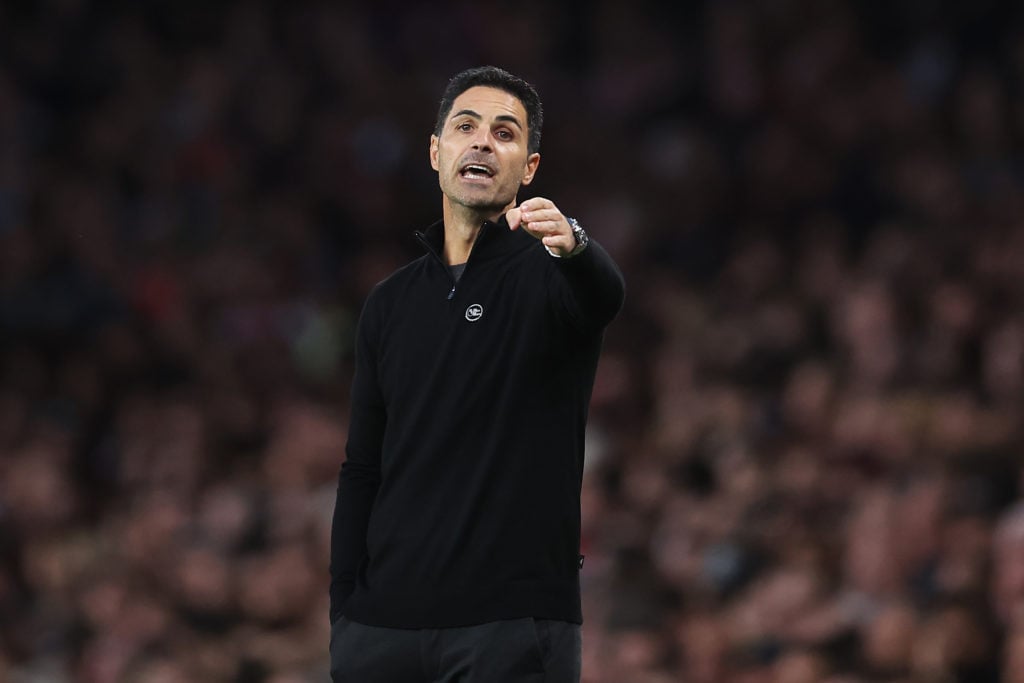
<point>495,319</point>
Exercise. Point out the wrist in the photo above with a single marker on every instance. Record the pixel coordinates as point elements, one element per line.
<point>580,237</point>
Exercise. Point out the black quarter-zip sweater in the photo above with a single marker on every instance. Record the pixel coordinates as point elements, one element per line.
<point>459,499</point>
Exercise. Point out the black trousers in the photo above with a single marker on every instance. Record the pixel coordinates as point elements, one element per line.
<point>514,651</point>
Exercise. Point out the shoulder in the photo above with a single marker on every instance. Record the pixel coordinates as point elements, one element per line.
<point>379,303</point>
<point>399,279</point>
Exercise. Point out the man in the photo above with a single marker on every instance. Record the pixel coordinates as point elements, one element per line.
<point>454,549</point>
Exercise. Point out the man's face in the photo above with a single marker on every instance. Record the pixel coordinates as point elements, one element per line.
<point>481,157</point>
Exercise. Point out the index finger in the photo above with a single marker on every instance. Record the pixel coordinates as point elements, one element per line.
<point>513,216</point>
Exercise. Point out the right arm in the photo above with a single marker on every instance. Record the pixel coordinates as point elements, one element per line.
<point>359,478</point>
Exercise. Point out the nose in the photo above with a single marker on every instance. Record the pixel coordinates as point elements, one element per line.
<point>483,140</point>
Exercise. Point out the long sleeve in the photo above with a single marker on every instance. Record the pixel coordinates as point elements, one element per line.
<point>359,478</point>
<point>587,289</point>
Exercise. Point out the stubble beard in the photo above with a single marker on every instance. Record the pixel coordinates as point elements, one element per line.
<point>481,202</point>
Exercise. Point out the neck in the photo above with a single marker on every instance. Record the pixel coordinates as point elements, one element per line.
<point>461,227</point>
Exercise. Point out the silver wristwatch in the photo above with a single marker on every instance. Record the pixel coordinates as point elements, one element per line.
<point>582,239</point>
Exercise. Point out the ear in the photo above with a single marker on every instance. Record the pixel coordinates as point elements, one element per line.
<point>433,152</point>
<point>532,162</point>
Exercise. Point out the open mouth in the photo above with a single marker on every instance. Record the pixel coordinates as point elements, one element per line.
<point>476,171</point>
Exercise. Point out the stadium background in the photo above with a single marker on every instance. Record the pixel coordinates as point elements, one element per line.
<point>805,445</point>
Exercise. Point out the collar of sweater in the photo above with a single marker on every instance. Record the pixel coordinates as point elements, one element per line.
<point>495,239</point>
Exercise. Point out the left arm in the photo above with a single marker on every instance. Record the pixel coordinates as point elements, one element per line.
<point>591,288</point>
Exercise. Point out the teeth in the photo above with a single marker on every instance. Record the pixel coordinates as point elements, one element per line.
<point>482,170</point>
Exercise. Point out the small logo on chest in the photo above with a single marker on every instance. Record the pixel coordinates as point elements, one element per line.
<point>474,312</point>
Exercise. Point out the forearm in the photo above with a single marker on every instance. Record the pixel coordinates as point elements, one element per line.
<point>594,286</point>
<point>357,488</point>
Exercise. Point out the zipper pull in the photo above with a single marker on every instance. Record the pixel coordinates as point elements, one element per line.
<point>451,294</point>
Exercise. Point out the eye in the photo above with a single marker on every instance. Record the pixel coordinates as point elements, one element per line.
<point>504,135</point>
<point>464,127</point>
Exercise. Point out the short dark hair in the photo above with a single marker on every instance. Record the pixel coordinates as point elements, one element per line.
<point>493,77</point>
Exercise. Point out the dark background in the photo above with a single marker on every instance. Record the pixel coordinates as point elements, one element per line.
<point>805,448</point>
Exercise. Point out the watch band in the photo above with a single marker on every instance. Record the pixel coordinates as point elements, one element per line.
<point>580,235</point>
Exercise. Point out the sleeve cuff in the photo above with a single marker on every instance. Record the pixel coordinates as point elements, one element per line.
<point>575,252</point>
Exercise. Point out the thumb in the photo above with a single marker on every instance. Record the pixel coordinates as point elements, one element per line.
<point>514,217</point>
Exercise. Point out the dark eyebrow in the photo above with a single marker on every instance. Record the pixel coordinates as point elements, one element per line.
<point>510,119</point>
<point>475,115</point>
<point>467,112</point>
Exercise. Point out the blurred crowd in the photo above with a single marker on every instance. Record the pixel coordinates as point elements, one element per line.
<point>805,454</point>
